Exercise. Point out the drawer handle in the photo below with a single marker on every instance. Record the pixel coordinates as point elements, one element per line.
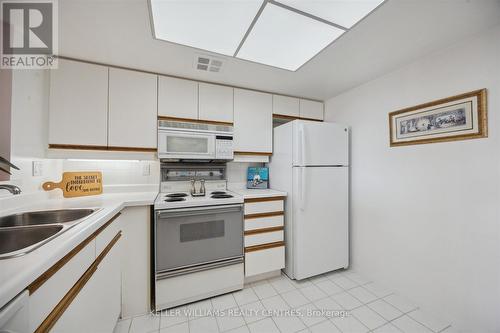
<point>250,200</point>
<point>259,215</point>
<point>263,230</point>
<point>264,246</point>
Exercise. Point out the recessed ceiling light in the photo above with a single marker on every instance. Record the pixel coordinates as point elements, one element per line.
<point>216,26</point>
<point>285,39</point>
<point>345,13</point>
<point>280,33</point>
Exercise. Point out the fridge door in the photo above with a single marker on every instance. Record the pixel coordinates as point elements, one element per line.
<point>317,143</point>
<point>320,224</point>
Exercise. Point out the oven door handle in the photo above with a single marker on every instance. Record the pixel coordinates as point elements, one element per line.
<point>199,210</point>
<point>199,268</point>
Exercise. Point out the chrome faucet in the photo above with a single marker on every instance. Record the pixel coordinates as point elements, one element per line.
<point>11,188</point>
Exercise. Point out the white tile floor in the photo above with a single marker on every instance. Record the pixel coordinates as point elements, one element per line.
<point>367,306</point>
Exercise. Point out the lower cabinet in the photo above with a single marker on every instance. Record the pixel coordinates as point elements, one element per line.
<point>264,236</point>
<point>82,291</point>
<point>96,307</point>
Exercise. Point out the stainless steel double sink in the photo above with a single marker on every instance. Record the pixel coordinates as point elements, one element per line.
<point>24,232</point>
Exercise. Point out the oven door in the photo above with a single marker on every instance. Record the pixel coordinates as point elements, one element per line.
<point>185,145</point>
<point>193,239</point>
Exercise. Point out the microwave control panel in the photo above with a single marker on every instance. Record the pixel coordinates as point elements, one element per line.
<point>224,148</point>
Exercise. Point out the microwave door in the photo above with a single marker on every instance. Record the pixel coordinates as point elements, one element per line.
<point>178,145</point>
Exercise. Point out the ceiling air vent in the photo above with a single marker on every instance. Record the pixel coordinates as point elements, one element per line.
<point>208,64</point>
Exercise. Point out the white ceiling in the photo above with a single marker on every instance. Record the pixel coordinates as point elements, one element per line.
<point>118,32</point>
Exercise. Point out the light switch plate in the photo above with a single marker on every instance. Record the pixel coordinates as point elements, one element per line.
<point>37,168</point>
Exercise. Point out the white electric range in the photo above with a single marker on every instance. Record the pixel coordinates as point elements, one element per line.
<point>197,239</point>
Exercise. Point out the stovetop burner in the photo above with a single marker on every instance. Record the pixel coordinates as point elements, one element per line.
<point>176,195</point>
<point>221,196</point>
<point>174,199</point>
<point>218,192</point>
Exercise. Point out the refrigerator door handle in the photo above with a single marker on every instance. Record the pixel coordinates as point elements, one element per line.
<point>302,188</point>
<point>302,145</point>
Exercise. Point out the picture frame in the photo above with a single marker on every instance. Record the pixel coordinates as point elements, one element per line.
<point>460,117</point>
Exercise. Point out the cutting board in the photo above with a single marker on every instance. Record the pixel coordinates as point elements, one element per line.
<point>77,184</point>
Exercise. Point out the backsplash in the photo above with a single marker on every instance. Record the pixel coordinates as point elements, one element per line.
<point>115,172</point>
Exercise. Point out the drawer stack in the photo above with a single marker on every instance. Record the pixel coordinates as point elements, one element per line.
<point>264,235</point>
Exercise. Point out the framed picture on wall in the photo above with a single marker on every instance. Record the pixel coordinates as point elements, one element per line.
<point>454,118</point>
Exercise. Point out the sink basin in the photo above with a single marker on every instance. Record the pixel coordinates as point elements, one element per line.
<point>44,217</point>
<point>15,239</point>
<point>24,232</point>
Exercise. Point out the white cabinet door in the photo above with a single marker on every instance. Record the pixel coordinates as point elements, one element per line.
<point>136,268</point>
<point>253,121</point>
<point>96,308</point>
<point>311,109</point>
<point>132,109</point>
<point>78,104</point>
<point>286,106</point>
<point>215,103</point>
<point>177,98</point>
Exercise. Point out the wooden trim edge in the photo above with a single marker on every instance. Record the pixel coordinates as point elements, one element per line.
<point>33,286</point>
<point>262,199</point>
<point>263,230</point>
<point>264,246</point>
<point>101,148</point>
<point>252,153</point>
<point>66,301</point>
<point>202,121</point>
<point>259,215</point>
<point>284,116</point>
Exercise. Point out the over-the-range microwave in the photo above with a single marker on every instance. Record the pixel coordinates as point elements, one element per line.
<point>189,141</point>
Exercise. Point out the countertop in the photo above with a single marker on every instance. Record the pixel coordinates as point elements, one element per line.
<point>257,193</point>
<point>17,273</point>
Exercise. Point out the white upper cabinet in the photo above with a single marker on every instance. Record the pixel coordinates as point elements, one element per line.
<point>177,98</point>
<point>286,106</point>
<point>253,121</point>
<point>132,109</point>
<point>78,104</point>
<point>311,109</point>
<point>215,103</point>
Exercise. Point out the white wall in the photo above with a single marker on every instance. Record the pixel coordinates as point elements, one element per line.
<point>425,218</point>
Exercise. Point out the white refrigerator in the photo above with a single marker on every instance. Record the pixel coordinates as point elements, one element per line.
<point>311,163</point>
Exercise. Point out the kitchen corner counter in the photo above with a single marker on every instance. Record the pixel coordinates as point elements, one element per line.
<point>18,272</point>
<point>257,193</point>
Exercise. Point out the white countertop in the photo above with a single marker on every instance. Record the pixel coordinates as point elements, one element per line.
<point>257,193</point>
<point>17,273</point>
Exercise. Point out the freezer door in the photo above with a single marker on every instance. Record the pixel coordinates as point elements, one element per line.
<point>318,143</point>
<point>320,220</point>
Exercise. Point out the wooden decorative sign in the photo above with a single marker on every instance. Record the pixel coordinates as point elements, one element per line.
<point>77,184</point>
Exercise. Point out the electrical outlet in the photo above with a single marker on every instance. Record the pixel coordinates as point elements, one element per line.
<point>37,168</point>
<point>146,169</point>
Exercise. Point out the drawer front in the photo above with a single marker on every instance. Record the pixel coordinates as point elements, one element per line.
<point>264,222</point>
<point>263,207</point>
<point>48,295</point>
<point>264,238</point>
<point>264,261</point>
<point>113,227</point>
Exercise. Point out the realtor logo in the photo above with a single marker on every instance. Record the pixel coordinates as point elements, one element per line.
<point>29,38</point>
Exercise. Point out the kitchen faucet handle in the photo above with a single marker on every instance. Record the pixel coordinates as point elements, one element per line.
<point>202,186</point>
<point>193,188</point>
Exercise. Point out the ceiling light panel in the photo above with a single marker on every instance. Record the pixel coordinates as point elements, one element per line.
<point>285,39</point>
<point>217,26</point>
<point>345,13</point>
